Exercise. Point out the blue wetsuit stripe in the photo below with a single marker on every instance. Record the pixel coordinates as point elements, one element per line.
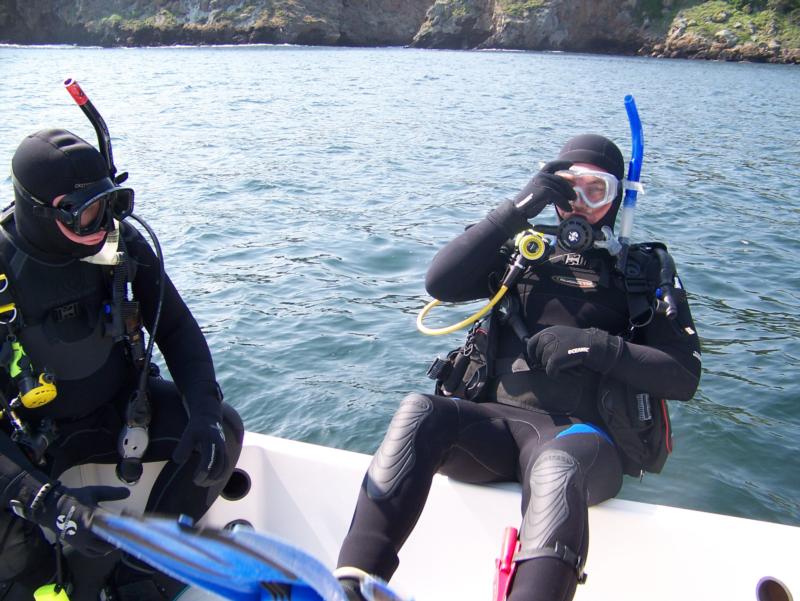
<point>584,429</point>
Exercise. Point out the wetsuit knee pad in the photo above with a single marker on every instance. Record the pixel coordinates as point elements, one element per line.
<point>556,485</point>
<point>397,453</point>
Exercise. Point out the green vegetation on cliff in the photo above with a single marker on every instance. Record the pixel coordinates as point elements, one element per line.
<point>520,8</point>
<point>748,20</point>
<point>777,20</point>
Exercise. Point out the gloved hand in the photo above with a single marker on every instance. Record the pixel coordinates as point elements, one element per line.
<point>68,513</point>
<point>204,435</point>
<point>563,347</point>
<point>546,188</point>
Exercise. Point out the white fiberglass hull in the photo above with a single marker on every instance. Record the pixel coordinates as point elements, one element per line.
<point>306,494</point>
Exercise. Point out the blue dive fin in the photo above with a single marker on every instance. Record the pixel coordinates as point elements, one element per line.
<point>241,566</point>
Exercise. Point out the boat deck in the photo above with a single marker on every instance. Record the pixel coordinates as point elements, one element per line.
<point>306,493</point>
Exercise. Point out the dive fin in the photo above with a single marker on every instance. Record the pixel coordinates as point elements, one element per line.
<point>241,566</point>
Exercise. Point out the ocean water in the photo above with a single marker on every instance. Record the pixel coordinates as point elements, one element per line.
<point>300,193</point>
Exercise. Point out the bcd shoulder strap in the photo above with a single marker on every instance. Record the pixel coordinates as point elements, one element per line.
<point>640,281</point>
<point>126,322</point>
<point>10,316</point>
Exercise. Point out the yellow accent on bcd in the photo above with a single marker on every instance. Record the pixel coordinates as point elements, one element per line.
<point>50,592</point>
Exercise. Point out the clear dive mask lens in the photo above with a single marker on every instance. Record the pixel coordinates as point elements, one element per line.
<point>595,189</point>
<point>94,208</point>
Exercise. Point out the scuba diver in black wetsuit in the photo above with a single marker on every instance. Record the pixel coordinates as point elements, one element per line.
<point>561,388</point>
<point>77,286</point>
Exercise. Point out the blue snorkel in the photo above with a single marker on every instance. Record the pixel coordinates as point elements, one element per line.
<point>632,185</point>
<point>666,275</point>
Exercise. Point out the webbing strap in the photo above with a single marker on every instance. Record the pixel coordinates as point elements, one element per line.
<point>559,551</point>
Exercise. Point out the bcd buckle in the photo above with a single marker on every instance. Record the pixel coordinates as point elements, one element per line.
<point>439,369</point>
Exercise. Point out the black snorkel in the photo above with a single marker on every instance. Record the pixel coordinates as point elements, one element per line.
<point>100,127</point>
<point>134,438</point>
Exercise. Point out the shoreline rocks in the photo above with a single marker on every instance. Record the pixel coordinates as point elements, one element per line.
<point>593,26</point>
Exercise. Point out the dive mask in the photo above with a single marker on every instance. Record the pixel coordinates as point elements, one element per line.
<point>88,210</point>
<point>593,188</point>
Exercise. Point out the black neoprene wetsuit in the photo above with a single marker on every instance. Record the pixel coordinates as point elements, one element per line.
<point>60,302</point>
<point>531,428</point>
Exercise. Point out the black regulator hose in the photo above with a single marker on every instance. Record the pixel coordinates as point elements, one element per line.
<point>135,438</point>
<point>162,276</point>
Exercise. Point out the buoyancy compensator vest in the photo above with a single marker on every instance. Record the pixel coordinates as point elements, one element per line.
<point>572,289</point>
<point>638,422</point>
<point>71,318</point>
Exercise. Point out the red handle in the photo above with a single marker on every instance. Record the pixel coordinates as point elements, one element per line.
<point>505,564</point>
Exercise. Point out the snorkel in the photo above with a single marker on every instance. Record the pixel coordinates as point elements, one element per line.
<point>632,185</point>
<point>99,124</point>
<point>134,437</point>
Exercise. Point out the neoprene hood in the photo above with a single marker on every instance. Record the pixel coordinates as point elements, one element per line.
<point>48,164</point>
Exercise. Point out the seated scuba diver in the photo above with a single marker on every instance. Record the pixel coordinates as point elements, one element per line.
<point>560,388</point>
<point>78,285</point>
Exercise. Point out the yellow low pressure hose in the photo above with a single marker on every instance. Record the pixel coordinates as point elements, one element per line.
<point>461,324</point>
<point>531,247</point>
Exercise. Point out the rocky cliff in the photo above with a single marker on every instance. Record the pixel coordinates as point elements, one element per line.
<point>757,30</point>
<point>164,22</point>
<point>589,26</point>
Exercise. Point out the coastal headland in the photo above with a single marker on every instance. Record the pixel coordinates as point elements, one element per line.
<point>731,30</point>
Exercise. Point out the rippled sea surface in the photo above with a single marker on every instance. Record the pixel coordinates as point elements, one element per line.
<point>300,193</point>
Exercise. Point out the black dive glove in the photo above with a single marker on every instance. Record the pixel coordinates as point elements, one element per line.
<point>563,347</point>
<point>68,513</point>
<point>546,188</point>
<point>204,435</point>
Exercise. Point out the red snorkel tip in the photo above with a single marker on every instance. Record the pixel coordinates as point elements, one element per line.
<point>76,92</point>
<point>100,128</point>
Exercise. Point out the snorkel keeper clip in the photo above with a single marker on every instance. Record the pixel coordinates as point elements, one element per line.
<point>632,184</point>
